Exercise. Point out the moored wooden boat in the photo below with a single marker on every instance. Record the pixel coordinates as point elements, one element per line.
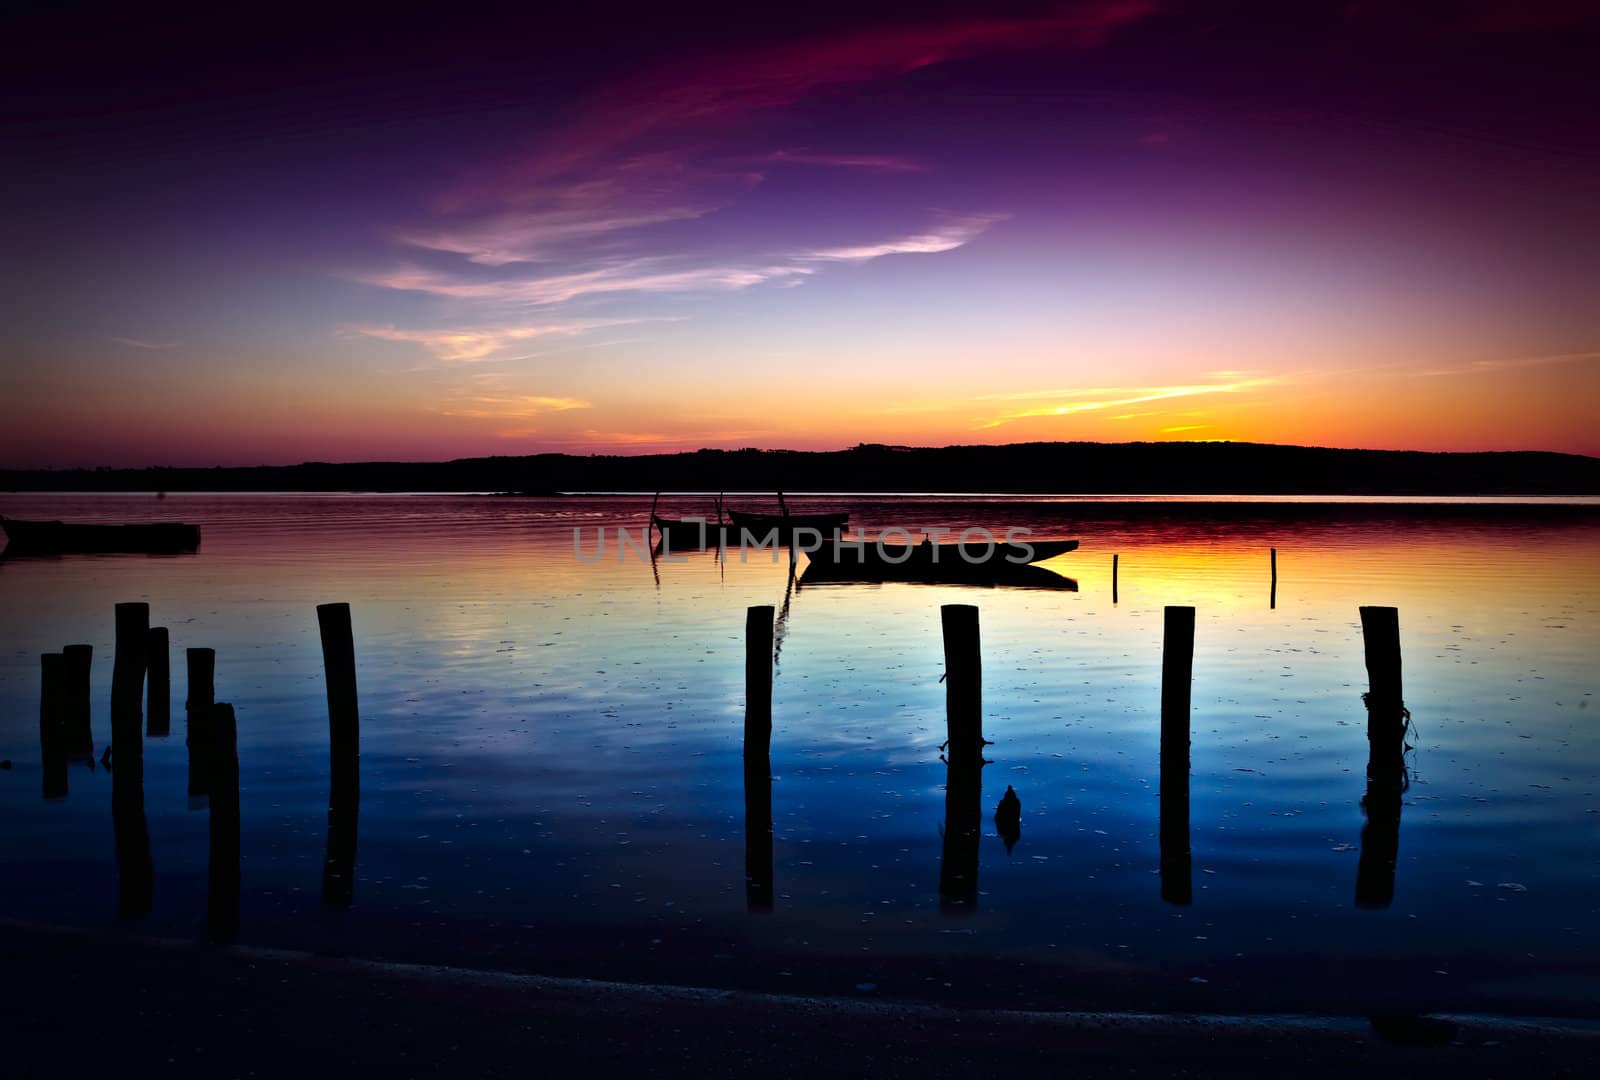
<point>64,537</point>
<point>760,525</point>
<point>686,534</point>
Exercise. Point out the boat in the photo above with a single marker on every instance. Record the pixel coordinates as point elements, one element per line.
<point>759,525</point>
<point>870,554</point>
<point>687,534</point>
<point>63,537</point>
<point>989,574</point>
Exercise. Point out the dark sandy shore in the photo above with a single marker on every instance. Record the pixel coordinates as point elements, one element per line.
<point>82,1004</point>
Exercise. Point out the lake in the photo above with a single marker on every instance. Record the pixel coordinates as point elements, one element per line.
<point>551,749</point>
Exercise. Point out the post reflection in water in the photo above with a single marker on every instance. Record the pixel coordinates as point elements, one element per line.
<point>222,897</point>
<point>757,829</point>
<point>963,828</point>
<point>135,872</point>
<point>136,875</point>
<point>202,666</point>
<point>1380,836</point>
<point>52,724</point>
<point>339,860</point>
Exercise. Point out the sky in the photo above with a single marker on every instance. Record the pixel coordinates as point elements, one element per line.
<point>264,237</point>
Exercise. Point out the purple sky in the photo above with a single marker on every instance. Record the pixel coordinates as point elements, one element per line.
<point>316,234</point>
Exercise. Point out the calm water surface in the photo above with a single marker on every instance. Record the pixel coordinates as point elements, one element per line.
<point>551,750</point>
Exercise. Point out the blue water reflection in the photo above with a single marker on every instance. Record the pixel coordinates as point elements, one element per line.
<point>553,774</point>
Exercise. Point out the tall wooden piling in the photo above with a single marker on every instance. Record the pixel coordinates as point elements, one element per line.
<point>202,668</point>
<point>1272,598</point>
<point>127,688</point>
<point>158,699</point>
<point>222,898</point>
<point>53,724</point>
<point>79,702</point>
<point>758,661</point>
<point>344,723</point>
<point>963,683</point>
<point>1380,636</point>
<point>1386,715</point>
<point>1387,722</point>
<point>1177,671</point>
<point>758,628</point>
<point>1114,559</point>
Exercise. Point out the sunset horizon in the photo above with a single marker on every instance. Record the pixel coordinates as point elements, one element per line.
<point>688,449</point>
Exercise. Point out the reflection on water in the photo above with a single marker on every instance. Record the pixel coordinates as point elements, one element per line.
<point>558,770</point>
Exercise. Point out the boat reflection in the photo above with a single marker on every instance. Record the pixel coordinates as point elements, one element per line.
<point>994,573</point>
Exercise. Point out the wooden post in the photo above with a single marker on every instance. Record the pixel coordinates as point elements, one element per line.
<point>1386,772</point>
<point>79,701</point>
<point>1272,601</point>
<point>758,657</point>
<point>222,899</point>
<point>1114,559</point>
<point>53,724</point>
<point>1380,634</point>
<point>1177,671</point>
<point>1386,716</point>
<point>344,724</point>
<point>158,706</point>
<point>963,670</point>
<point>127,688</point>
<point>202,694</point>
<point>758,624</point>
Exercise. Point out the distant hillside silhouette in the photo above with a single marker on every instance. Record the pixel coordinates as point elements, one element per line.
<point>1069,468</point>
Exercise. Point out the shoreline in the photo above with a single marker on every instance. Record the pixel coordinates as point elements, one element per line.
<point>186,1010</point>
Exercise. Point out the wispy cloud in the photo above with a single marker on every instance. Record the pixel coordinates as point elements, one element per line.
<point>946,237</point>
<point>136,343</point>
<point>658,274</point>
<point>467,345</point>
<point>637,275</point>
<point>1479,367</point>
<point>1079,400</point>
<point>514,406</point>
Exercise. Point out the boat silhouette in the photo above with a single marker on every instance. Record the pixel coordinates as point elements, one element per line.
<point>62,537</point>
